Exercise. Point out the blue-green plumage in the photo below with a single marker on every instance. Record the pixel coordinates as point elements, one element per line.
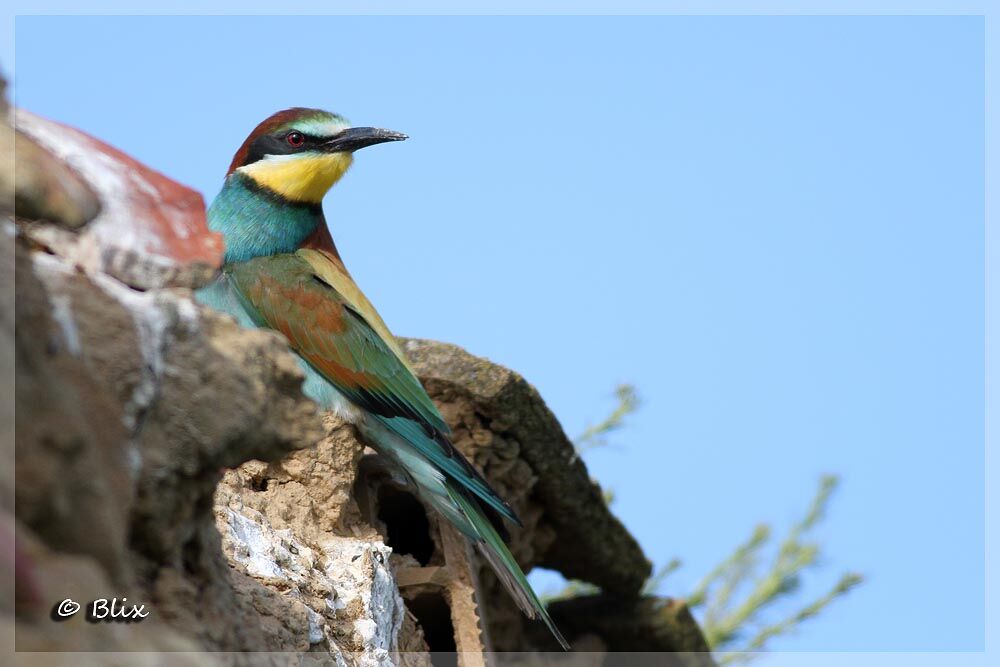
<point>255,222</point>
<point>281,274</point>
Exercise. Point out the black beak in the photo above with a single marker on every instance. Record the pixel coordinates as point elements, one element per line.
<point>354,138</point>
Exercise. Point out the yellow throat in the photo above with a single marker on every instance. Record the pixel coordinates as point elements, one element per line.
<point>304,177</point>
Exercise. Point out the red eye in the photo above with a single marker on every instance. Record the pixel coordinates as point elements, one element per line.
<point>295,139</point>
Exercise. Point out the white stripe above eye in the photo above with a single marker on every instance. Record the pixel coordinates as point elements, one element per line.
<point>321,127</point>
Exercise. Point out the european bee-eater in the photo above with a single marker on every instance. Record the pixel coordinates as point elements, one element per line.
<point>282,271</point>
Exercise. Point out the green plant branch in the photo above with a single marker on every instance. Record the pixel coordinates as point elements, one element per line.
<point>654,582</point>
<point>724,626</point>
<point>573,588</point>
<point>751,650</point>
<point>735,594</point>
<point>761,534</point>
<point>595,435</point>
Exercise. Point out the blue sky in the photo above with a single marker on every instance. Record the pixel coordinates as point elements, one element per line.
<point>773,226</point>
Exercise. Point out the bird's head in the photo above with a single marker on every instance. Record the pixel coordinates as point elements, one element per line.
<point>300,153</point>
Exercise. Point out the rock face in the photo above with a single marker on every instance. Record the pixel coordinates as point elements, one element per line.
<point>146,230</point>
<point>167,456</point>
<point>292,525</point>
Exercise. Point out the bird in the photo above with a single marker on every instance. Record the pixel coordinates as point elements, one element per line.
<point>282,271</point>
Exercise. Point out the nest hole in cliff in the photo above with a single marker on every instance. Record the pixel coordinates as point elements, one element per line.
<point>434,615</point>
<point>408,531</point>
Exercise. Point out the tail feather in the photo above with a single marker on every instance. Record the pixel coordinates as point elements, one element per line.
<point>492,547</point>
<point>463,507</point>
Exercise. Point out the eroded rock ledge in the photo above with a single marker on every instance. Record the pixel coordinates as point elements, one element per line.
<point>165,455</point>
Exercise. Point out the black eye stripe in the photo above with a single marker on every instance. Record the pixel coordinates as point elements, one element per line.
<point>307,139</point>
<point>277,144</point>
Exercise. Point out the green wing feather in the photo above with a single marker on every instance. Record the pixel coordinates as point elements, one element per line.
<point>285,293</point>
